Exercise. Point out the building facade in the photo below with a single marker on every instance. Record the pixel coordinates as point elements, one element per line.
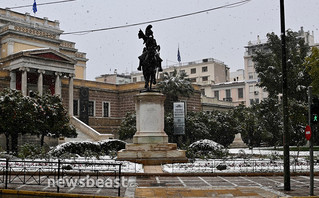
<point>115,78</point>
<point>20,32</point>
<point>203,72</point>
<point>233,92</point>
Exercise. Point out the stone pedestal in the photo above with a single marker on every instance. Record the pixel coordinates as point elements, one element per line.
<point>150,143</point>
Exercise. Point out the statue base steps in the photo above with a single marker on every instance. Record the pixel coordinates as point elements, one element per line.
<point>152,154</point>
<point>150,138</point>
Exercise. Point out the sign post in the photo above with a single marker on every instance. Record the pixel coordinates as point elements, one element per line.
<point>179,118</point>
<point>308,132</point>
<point>311,187</point>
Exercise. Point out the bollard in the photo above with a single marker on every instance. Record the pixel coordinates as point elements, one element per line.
<point>7,172</point>
<point>119,190</point>
<point>59,165</point>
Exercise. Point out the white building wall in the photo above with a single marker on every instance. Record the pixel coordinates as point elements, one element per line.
<point>202,72</point>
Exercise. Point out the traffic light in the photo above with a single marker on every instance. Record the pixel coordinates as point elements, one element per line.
<point>315,111</point>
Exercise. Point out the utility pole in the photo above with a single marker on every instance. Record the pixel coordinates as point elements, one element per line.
<point>311,187</point>
<point>286,136</point>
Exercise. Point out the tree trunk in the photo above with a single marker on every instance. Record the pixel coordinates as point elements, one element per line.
<point>14,143</point>
<point>7,143</point>
<point>42,140</point>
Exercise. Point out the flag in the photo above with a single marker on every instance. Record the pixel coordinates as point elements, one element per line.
<point>35,7</point>
<point>178,55</point>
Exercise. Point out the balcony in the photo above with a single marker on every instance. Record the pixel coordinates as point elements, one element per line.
<point>228,99</point>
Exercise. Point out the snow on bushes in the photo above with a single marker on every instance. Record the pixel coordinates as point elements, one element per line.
<point>83,148</point>
<point>207,149</point>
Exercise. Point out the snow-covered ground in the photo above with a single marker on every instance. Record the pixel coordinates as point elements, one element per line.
<point>264,151</point>
<point>104,164</point>
<point>264,163</point>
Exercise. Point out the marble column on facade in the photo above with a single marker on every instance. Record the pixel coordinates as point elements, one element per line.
<point>58,83</point>
<point>40,81</point>
<point>24,80</point>
<point>13,80</point>
<point>71,76</point>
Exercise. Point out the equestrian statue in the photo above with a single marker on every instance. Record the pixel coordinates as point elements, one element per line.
<point>150,60</point>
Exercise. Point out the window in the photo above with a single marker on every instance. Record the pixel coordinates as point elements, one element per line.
<point>250,75</point>
<point>251,101</point>
<point>250,63</point>
<point>204,69</point>
<point>182,72</point>
<point>134,79</point>
<point>240,93</point>
<point>91,108</point>
<point>192,79</point>
<point>228,93</point>
<point>202,92</point>
<point>106,109</point>
<point>142,78</point>
<point>216,94</point>
<point>75,107</point>
<point>205,78</point>
<point>257,100</point>
<point>193,71</point>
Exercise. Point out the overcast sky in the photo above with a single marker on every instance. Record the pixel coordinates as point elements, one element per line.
<point>220,34</point>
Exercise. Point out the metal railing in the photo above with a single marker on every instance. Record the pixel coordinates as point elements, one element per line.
<point>39,172</point>
<point>238,166</point>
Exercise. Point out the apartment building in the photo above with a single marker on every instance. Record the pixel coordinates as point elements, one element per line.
<point>254,93</point>
<point>201,72</point>
<point>227,95</point>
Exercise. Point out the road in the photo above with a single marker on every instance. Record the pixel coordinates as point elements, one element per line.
<point>136,185</point>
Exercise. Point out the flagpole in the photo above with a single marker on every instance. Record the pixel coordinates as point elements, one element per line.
<point>178,56</point>
<point>34,9</point>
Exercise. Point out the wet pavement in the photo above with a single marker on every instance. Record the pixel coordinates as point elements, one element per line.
<point>187,186</point>
<point>260,186</point>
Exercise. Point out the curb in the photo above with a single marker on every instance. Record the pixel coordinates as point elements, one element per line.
<point>302,197</point>
<point>19,193</point>
<point>215,174</point>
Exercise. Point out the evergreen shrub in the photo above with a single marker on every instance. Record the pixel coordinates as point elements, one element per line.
<point>87,149</point>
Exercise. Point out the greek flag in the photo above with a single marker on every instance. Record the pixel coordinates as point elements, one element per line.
<point>178,55</point>
<point>35,7</point>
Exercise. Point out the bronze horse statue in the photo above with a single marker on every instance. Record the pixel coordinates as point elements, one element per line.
<point>150,60</point>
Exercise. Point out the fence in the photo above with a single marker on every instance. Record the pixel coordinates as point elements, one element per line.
<point>238,166</point>
<point>57,172</point>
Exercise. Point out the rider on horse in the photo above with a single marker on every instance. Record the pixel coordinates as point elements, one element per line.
<point>150,59</point>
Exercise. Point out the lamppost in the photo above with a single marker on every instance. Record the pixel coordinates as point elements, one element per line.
<point>286,136</point>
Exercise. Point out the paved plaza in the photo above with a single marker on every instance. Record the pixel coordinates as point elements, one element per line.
<point>186,186</point>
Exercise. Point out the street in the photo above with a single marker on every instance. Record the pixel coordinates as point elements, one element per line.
<point>271,186</point>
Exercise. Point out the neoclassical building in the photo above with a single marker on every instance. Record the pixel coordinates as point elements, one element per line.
<point>40,71</point>
<point>34,59</point>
